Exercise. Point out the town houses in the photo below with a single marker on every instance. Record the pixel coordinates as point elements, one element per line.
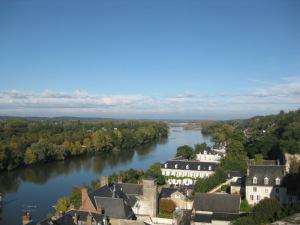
<point>185,172</point>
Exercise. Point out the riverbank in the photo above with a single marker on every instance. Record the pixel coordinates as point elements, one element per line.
<point>25,143</point>
<point>41,185</point>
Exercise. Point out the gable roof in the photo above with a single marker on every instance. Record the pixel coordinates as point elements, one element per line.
<point>262,171</point>
<point>115,202</point>
<point>114,207</point>
<point>67,219</point>
<point>193,165</point>
<point>222,203</point>
<point>167,192</point>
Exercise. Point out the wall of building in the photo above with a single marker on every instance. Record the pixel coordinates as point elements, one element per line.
<point>181,177</point>
<point>204,157</point>
<point>148,203</point>
<point>265,192</point>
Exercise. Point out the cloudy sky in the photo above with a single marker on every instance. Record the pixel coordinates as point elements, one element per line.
<point>149,59</point>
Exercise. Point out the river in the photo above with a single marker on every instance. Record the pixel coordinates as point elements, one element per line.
<point>37,188</point>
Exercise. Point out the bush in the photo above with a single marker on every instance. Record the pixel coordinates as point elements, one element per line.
<point>167,206</point>
<point>206,184</point>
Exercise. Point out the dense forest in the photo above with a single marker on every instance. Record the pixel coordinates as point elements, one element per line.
<point>25,142</point>
<point>271,136</point>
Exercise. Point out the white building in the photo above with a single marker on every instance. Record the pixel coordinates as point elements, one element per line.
<point>265,181</point>
<point>184,172</point>
<point>209,156</point>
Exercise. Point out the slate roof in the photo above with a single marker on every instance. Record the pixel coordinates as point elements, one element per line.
<point>67,219</point>
<point>262,171</point>
<point>114,200</point>
<point>166,192</point>
<point>131,189</point>
<point>193,165</point>
<point>217,203</point>
<point>114,207</point>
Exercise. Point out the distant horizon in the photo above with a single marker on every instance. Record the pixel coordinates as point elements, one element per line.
<point>123,118</point>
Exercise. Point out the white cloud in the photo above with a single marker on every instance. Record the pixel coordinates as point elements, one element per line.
<point>270,99</point>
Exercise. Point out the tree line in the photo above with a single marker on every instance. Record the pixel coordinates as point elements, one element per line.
<point>271,136</point>
<point>25,142</point>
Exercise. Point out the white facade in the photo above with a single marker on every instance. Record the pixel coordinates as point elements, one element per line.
<point>184,177</point>
<point>208,157</point>
<point>254,194</point>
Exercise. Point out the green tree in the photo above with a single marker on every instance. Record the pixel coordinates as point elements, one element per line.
<point>185,151</point>
<point>62,204</point>
<point>258,159</point>
<point>267,210</point>
<point>29,157</point>
<point>200,148</point>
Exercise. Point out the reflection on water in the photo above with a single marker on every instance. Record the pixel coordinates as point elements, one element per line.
<point>42,185</point>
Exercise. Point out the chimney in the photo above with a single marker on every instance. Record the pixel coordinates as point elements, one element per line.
<point>120,180</point>
<point>26,218</point>
<point>89,219</point>
<point>84,195</point>
<point>75,218</point>
<point>103,181</point>
<point>248,171</point>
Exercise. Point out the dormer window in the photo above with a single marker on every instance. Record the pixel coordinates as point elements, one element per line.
<point>166,165</point>
<point>199,167</point>
<point>266,181</point>
<point>254,180</point>
<point>187,167</point>
<point>209,168</point>
<point>176,166</point>
<point>277,181</point>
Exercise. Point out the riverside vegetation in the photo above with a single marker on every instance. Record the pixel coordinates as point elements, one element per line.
<point>25,142</point>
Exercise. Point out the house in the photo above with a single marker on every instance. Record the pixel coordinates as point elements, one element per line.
<point>77,217</point>
<point>122,200</point>
<point>179,196</point>
<point>265,181</point>
<point>215,209</point>
<point>209,156</point>
<point>185,172</point>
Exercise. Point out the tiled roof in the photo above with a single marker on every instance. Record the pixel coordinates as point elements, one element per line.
<point>67,219</point>
<point>217,203</point>
<point>114,207</point>
<point>131,189</point>
<point>262,171</point>
<point>192,165</point>
<point>115,202</point>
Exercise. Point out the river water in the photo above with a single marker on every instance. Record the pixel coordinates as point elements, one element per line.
<point>38,187</point>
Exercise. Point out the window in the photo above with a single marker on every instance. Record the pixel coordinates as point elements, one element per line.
<point>277,181</point>
<point>254,180</point>
<point>266,181</point>
<point>166,165</point>
<point>199,167</point>
<point>266,190</point>
<point>258,197</point>
<point>254,189</point>
<point>277,190</point>
<point>209,168</point>
<point>187,167</point>
<point>251,197</point>
<point>175,166</point>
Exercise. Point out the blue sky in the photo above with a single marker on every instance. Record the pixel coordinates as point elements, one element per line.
<point>149,59</point>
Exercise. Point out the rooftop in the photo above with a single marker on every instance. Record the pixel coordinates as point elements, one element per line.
<point>217,203</point>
